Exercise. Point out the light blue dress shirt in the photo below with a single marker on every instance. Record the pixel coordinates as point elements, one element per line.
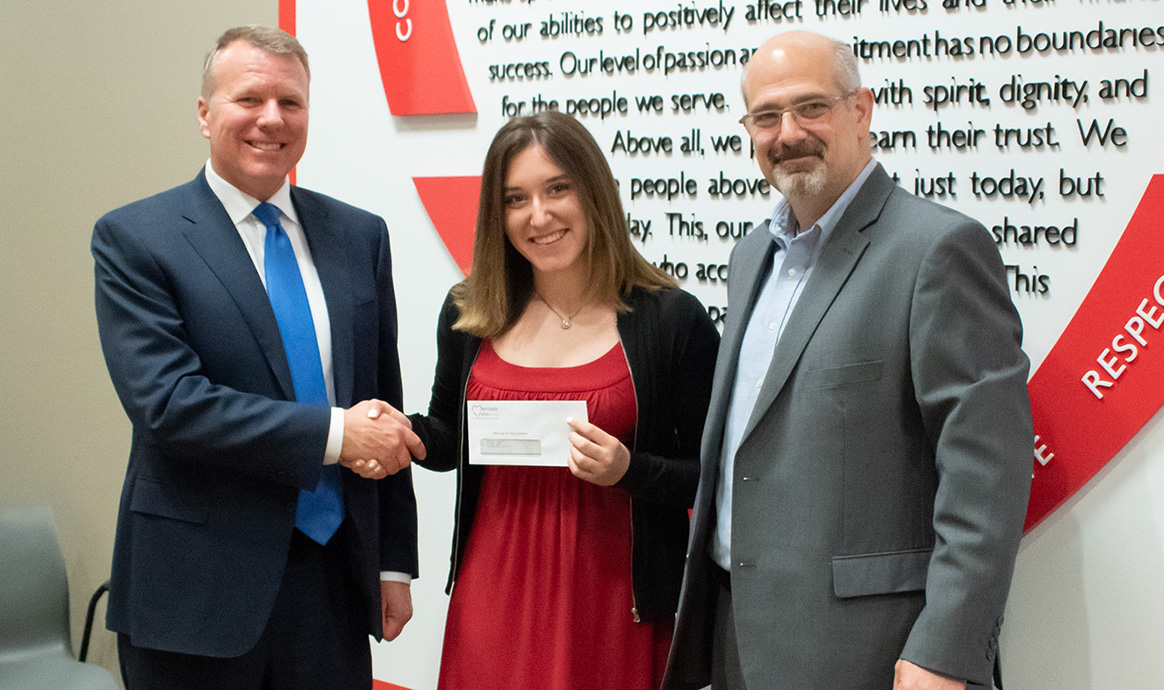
<point>792,263</point>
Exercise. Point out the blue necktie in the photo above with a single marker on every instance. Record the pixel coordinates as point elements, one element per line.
<point>319,512</point>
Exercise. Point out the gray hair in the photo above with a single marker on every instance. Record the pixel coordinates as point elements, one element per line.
<point>845,67</point>
<point>266,38</point>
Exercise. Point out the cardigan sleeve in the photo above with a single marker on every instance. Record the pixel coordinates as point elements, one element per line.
<point>440,429</point>
<point>681,344</point>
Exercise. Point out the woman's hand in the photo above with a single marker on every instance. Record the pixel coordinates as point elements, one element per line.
<point>595,455</point>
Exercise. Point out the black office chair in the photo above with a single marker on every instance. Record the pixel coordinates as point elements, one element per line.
<point>36,650</point>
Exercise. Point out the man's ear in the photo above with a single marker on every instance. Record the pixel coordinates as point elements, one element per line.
<point>863,101</point>
<point>203,111</point>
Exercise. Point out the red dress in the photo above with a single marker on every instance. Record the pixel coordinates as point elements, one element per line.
<point>543,598</point>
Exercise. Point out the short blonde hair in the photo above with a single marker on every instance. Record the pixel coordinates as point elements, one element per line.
<point>266,38</point>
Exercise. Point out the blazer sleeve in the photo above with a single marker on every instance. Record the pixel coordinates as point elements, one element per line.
<point>970,378</point>
<point>397,500</point>
<point>176,409</point>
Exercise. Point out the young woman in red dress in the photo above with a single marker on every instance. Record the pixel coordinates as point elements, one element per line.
<point>567,577</point>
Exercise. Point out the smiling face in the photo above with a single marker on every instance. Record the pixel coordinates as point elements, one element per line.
<point>809,162</point>
<point>544,218</point>
<point>256,119</point>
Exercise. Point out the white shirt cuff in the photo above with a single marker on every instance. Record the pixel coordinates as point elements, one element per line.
<point>335,437</point>
<point>393,576</point>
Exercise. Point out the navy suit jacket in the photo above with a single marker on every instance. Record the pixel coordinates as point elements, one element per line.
<point>220,448</point>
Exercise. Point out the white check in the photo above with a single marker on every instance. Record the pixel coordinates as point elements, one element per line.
<point>521,432</point>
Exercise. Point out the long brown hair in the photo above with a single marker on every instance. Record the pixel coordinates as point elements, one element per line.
<point>500,285</point>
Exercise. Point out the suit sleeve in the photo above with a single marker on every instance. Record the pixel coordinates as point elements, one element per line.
<point>398,520</point>
<point>143,315</point>
<point>970,378</point>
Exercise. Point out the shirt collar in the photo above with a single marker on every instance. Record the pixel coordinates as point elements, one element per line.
<point>782,224</point>
<point>239,204</point>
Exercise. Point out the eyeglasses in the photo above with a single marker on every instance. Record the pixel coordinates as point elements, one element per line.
<point>802,113</point>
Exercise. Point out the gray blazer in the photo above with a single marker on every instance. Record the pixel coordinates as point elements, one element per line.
<point>881,485</point>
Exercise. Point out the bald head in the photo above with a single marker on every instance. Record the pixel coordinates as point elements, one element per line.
<point>806,45</point>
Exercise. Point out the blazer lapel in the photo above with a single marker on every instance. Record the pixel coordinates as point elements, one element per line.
<point>751,259</point>
<point>833,267</point>
<point>212,234</point>
<point>329,255</point>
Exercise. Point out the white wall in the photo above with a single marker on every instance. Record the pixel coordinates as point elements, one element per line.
<point>1086,610</point>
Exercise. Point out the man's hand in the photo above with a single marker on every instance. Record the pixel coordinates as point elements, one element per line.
<point>395,607</point>
<point>907,676</point>
<point>595,455</point>
<point>378,440</point>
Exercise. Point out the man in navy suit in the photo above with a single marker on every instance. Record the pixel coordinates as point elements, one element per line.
<point>216,583</point>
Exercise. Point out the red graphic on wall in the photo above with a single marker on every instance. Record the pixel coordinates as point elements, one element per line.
<point>287,16</point>
<point>1101,381</point>
<point>419,63</point>
<point>451,203</point>
<point>287,23</point>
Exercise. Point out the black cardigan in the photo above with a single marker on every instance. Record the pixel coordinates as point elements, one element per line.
<point>670,345</point>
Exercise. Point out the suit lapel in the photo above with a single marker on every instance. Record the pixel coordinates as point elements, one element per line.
<point>750,262</point>
<point>329,255</point>
<point>212,234</point>
<point>833,267</point>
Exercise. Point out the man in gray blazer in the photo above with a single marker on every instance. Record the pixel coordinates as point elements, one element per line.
<point>866,460</point>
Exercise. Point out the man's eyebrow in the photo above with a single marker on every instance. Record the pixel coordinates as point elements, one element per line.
<point>803,98</point>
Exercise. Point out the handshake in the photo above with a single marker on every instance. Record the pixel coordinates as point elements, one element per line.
<point>378,440</point>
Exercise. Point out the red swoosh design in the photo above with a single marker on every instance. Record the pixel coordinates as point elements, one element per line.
<point>287,23</point>
<point>451,204</point>
<point>287,16</point>
<point>419,62</point>
<point>1077,429</point>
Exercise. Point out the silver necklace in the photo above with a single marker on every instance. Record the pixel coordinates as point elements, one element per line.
<point>563,321</point>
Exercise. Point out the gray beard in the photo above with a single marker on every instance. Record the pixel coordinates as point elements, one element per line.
<point>810,183</point>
